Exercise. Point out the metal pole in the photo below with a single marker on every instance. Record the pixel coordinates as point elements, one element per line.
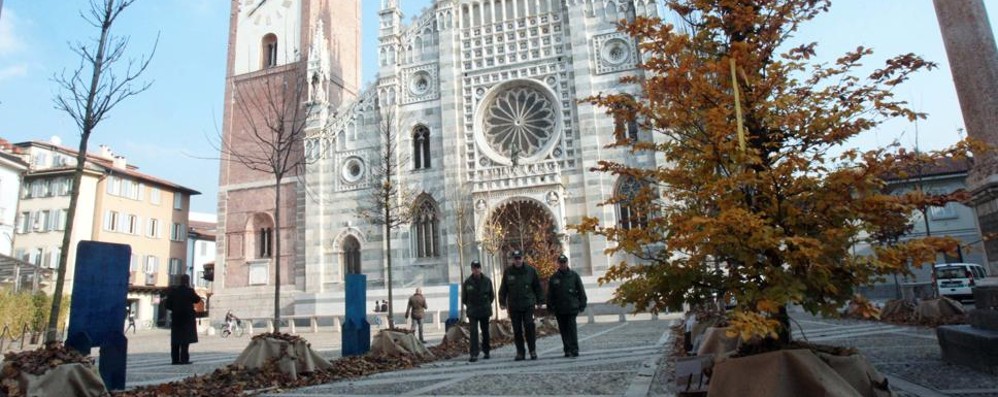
<point>17,277</point>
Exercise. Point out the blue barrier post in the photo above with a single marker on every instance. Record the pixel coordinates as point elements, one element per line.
<point>97,311</point>
<point>452,316</point>
<point>356,334</point>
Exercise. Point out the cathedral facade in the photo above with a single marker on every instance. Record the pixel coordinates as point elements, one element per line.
<point>483,99</point>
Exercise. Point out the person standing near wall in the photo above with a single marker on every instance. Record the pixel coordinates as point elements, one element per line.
<point>180,300</point>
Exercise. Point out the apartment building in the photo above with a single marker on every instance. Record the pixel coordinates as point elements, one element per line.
<point>11,169</point>
<point>201,249</point>
<point>956,220</point>
<point>117,204</point>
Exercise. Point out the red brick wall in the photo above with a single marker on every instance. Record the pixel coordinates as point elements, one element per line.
<point>242,206</point>
<point>341,19</point>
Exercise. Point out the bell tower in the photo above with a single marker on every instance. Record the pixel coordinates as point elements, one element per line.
<point>314,44</point>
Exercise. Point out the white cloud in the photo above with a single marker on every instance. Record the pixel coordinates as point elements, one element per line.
<point>9,40</point>
<point>7,72</point>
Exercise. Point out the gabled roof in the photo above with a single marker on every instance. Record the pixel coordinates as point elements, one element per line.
<point>941,168</point>
<point>104,165</point>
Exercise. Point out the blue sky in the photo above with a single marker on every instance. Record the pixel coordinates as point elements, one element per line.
<point>166,130</point>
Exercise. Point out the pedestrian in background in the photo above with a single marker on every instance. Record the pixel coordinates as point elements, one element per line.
<point>477,297</point>
<point>416,309</point>
<point>566,299</point>
<point>520,291</point>
<point>131,320</point>
<point>180,300</point>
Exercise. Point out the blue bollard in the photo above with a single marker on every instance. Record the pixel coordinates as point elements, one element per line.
<point>356,334</point>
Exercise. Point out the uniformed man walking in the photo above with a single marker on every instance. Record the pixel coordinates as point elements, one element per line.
<point>566,299</point>
<point>520,291</point>
<point>477,296</point>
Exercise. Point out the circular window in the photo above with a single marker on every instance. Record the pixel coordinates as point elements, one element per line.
<point>353,169</point>
<point>519,122</point>
<point>616,51</point>
<point>419,83</point>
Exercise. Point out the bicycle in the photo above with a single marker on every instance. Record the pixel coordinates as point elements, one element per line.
<point>237,329</point>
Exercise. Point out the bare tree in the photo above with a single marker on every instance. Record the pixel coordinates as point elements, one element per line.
<point>275,109</point>
<point>88,103</point>
<point>464,214</point>
<point>390,204</point>
<point>493,238</point>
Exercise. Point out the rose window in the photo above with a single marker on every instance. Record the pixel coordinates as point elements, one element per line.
<point>616,51</point>
<point>519,122</point>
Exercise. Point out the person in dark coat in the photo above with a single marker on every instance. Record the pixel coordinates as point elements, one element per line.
<point>477,296</point>
<point>566,299</point>
<point>520,291</point>
<point>180,300</point>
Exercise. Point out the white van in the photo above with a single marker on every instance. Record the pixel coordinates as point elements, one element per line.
<point>955,280</point>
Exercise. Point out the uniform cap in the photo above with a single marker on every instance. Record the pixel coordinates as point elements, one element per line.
<point>476,263</point>
<point>517,254</point>
<point>562,259</point>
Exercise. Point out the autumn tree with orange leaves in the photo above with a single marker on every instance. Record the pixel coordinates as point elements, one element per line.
<point>758,198</point>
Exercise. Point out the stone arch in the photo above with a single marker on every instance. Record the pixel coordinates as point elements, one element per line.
<point>425,227</point>
<point>349,242</point>
<point>259,235</point>
<point>422,156</point>
<point>520,218</point>
<point>498,207</point>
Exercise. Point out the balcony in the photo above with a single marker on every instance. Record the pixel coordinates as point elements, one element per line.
<point>152,278</point>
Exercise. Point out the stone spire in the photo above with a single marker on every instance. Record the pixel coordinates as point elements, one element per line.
<point>318,65</point>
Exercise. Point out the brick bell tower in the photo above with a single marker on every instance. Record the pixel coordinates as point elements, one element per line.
<point>273,40</point>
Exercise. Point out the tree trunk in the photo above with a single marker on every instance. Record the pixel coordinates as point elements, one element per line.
<point>277,255</point>
<point>52,331</point>
<point>388,255</point>
<point>460,267</point>
<point>784,332</point>
<point>81,161</point>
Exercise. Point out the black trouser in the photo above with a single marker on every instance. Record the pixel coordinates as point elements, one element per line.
<point>477,323</point>
<point>417,323</point>
<point>179,352</point>
<point>524,320</point>
<point>569,332</point>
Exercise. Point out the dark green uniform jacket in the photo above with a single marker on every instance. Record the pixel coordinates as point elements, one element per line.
<point>520,288</point>
<point>566,294</point>
<point>477,296</point>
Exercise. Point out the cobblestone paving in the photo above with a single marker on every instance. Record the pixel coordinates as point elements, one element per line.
<point>617,358</point>
<point>908,356</point>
